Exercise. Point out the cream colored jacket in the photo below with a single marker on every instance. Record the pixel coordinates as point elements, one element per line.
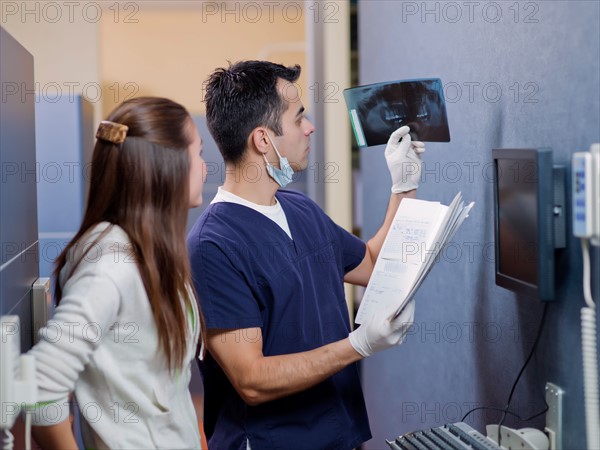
<point>102,344</point>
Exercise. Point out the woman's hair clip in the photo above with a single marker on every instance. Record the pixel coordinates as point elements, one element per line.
<point>112,132</point>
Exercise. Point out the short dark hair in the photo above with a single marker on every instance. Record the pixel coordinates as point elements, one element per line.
<point>241,98</point>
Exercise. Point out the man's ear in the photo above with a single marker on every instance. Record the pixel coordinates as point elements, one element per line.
<point>258,140</point>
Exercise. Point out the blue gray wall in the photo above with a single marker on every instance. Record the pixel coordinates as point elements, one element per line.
<point>64,130</point>
<point>18,215</point>
<point>520,74</point>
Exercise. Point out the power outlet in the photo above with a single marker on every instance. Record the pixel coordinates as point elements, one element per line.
<point>554,415</point>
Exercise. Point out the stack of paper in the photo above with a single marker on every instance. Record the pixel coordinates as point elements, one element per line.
<point>418,233</point>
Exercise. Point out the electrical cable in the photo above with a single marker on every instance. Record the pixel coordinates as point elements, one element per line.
<point>493,408</point>
<point>514,386</point>
<point>506,409</point>
<point>543,411</point>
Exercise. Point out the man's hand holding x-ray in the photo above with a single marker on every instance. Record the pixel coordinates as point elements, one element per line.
<point>403,157</point>
<point>382,330</point>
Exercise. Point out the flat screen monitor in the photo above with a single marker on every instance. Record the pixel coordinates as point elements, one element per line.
<point>524,210</point>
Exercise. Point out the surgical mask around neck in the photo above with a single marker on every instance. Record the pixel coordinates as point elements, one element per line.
<point>283,175</point>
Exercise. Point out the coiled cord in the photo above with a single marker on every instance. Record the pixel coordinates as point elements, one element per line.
<point>8,441</point>
<point>589,355</point>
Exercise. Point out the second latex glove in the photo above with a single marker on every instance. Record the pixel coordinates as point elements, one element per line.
<point>403,157</point>
<point>380,331</point>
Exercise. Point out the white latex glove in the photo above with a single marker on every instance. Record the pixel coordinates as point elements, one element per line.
<point>380,331</point>
<point>403,158</point>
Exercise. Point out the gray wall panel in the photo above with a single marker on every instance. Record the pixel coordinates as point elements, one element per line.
<point>18,215</point>
<point>16,279</point>
<point>17,141</point>
<point>535,81</point>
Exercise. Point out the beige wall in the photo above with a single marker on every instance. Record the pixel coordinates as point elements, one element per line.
<point>149,47</point>
<point>336,48</point>
<point>168,48</point>
<point>337,137</point>
<point>64,42</point>
<point>171,52</point>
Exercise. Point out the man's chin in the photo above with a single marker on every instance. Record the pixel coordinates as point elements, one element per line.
<point>300,166</point>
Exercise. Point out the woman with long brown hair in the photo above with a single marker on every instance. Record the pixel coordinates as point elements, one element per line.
<point>127,326</point>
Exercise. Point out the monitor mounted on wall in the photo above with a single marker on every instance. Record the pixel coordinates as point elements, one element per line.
<point>529,212</point>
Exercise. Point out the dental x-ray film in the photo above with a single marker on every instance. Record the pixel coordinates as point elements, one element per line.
<point>376,110</point>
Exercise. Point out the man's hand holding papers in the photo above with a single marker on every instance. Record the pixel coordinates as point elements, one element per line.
<point>418,233</point>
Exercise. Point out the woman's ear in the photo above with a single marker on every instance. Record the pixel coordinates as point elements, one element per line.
<point>259,141</point>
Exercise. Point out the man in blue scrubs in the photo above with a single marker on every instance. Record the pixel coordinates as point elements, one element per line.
<point>269,267</point>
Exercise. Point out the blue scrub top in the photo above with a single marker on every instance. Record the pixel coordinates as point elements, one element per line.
<point>248,273</point>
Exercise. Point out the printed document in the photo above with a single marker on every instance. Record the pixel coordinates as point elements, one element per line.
<point>418,233</point>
